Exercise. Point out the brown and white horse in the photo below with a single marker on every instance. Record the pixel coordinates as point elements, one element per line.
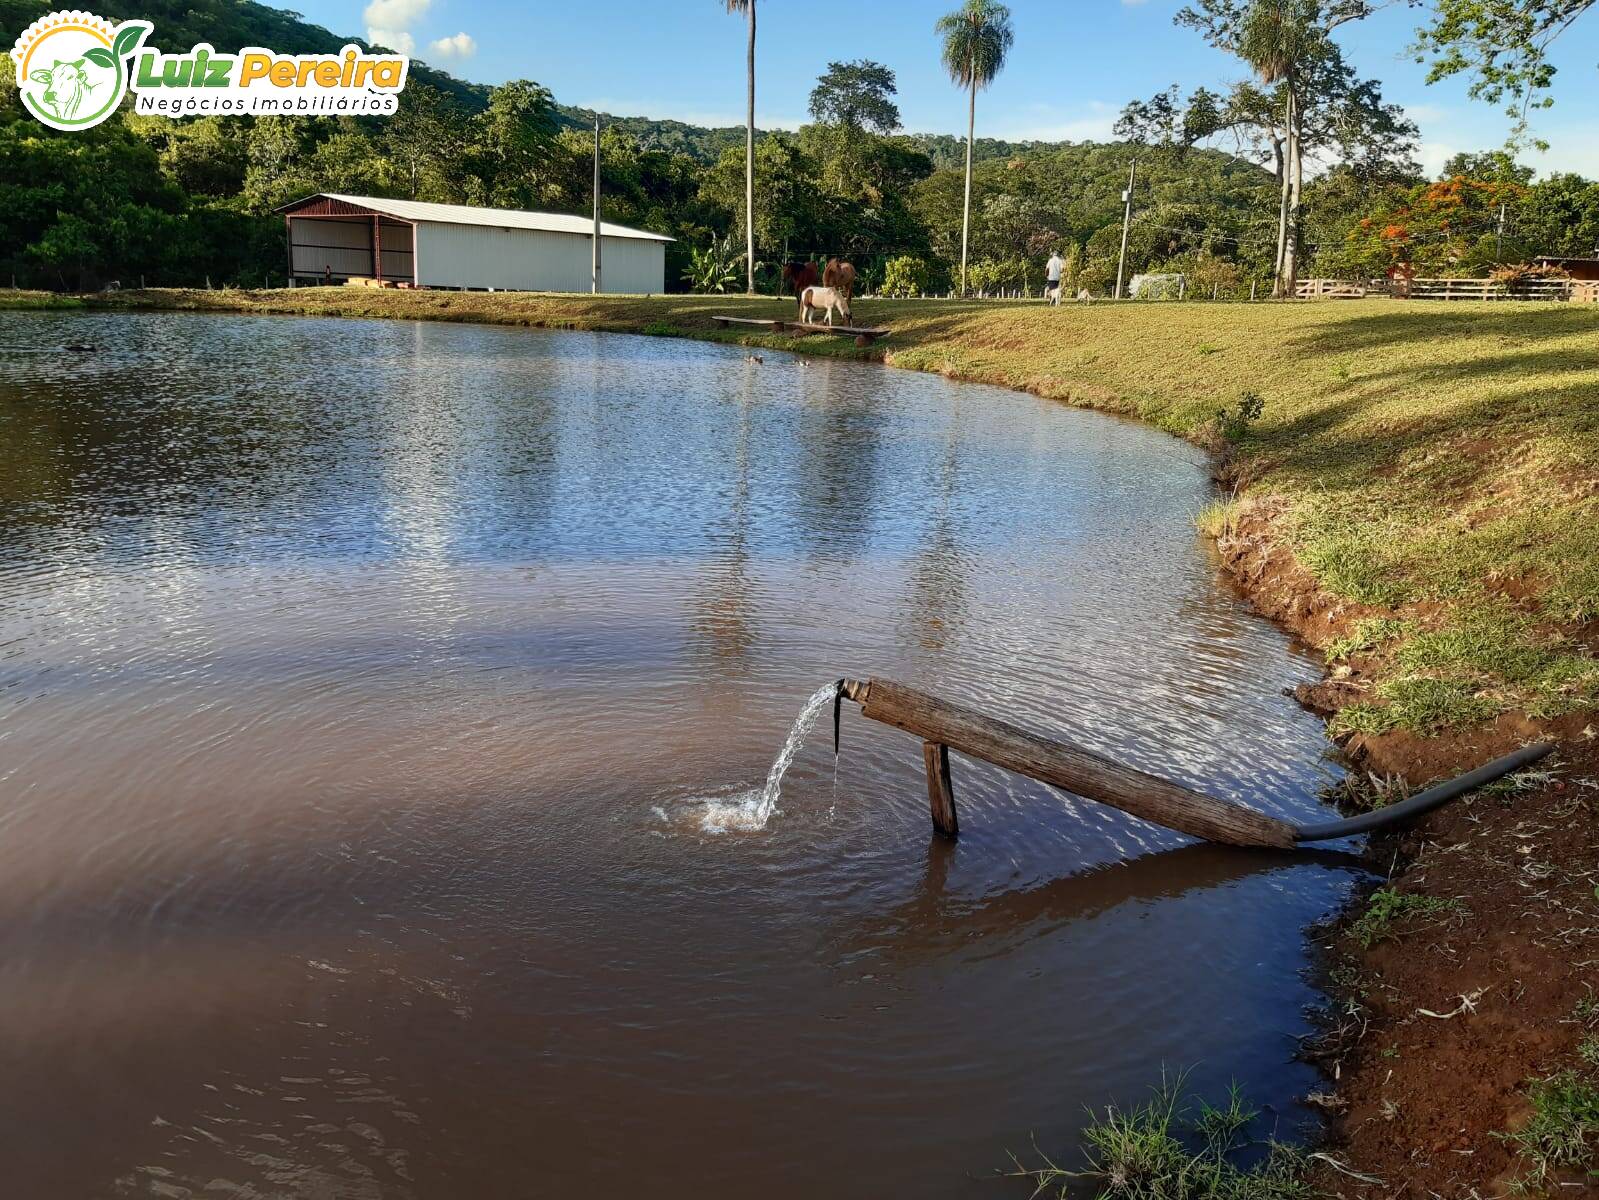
<point>815,299</point>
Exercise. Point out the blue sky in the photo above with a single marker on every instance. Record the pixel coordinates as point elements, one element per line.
<point>1076,62</point>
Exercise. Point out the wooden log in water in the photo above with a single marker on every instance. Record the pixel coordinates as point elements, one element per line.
<point>1079,771</point>
<point>940,791</point>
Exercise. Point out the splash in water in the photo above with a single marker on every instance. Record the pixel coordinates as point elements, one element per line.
<point>751,810</point>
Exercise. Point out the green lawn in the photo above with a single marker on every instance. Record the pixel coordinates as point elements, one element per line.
<point>1436,466</point>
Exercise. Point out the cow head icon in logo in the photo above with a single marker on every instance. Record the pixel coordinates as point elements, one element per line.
<point>72,67</point>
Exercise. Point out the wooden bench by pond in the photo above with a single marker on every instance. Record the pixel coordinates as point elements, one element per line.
<point>863,337</point>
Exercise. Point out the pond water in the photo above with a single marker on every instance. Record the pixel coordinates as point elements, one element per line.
<point>366,689</point>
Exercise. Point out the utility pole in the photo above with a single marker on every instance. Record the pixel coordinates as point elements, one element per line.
<point>1499,236</point>
<point>596,205</point>
<point>1127,220</point>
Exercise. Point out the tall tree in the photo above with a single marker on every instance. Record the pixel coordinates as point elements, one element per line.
<point>855,114</point>
<point>1490,166</point>
<point>748,7</point>
<point>427,135</point>
<point>857,95</point>
<point>1277,38</point>
<point>515,135</point>
<point>1502,46</point>
<point>1288,44</point>
<point>977,37</point>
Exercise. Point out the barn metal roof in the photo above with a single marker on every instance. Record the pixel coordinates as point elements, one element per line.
<point>493,218</point>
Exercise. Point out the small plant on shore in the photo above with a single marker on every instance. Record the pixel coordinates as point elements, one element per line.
<point>1370,634</point>
<point>1218,519</point>
<point>1586,1011</point>
<point>1165,1150</point>
<point>1386,908</point>
<point>1416,702</point>
<point>1366,791</point>
<point>1563,1130</point>
<point>1233,421</point>
<point>1520,781</point>
<point>661,329</point>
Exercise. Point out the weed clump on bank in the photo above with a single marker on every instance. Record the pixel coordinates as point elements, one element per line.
<point>1387,908</point>
<point>1562,1132</point>
<point>1173,1148</point>
<point>1218,519</point>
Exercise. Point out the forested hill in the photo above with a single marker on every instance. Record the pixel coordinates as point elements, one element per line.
<point>674,137</point>
<point>948,152</point>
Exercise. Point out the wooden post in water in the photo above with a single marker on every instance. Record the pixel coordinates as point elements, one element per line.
<point>942,725</point>
<point>940,792</point>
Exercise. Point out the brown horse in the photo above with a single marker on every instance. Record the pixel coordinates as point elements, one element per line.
<point>841,276</point>
<point>799,275</point>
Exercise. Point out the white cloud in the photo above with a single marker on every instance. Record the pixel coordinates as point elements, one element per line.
<point>460,46</point>
<point>1093,121</point>
<point>391,39</point>
<point>1433,155</point>
<point>389,22</point>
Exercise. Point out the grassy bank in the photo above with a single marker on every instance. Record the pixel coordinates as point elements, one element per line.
<point>1432,469</point>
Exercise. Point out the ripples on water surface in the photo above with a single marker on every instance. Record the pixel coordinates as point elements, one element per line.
<point>361,687</point>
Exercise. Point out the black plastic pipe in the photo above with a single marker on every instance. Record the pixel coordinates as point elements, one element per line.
<point>1424,802</point>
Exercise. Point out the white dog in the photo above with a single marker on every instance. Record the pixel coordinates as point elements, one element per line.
<point>815,299</point>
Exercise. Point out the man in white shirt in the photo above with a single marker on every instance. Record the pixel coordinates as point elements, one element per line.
<point>1052,271</point>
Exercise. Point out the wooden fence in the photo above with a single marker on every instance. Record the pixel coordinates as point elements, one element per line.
<point>1330,289</point>
<point>1578,291</point>
<point>1482,289</point>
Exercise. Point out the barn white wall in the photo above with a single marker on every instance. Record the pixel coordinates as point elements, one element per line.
<point>477,256</point>
<point>632,265</point>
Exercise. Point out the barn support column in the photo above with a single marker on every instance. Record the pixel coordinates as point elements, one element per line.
<point>377,247</point>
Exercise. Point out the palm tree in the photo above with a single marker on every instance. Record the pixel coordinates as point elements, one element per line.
<point>1276,39</point>
<point>977,36</point>
<point>748,6</point>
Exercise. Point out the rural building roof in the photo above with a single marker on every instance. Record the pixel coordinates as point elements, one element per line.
<point>493,218</point>
<point>1560,258</point>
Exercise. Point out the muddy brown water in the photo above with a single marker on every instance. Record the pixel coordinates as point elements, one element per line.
<point>361,687</point>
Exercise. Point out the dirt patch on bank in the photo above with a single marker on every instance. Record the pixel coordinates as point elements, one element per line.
<point>1445,1014</point>
<point>1464,1006</point>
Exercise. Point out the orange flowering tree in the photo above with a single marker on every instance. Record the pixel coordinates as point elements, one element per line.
<point>1451,227</point>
